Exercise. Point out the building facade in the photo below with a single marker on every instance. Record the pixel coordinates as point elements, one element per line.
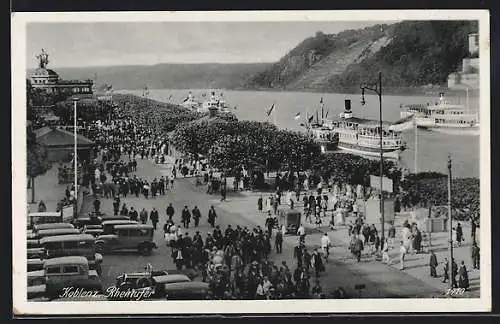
<point>47,79</point>
<point>468,77</point>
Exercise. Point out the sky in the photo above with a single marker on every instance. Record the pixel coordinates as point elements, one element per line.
<point>139,43</point>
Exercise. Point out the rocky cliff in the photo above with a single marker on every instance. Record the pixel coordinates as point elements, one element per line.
<point>408,54</point>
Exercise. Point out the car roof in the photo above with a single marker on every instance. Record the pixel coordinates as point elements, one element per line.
<point>44,214</point>
<point>59,230</point>
<point>40,227</point>
<point>132,226</point>
<point>71,237</point>
<point>67,259</point>
<point>195,285</point>
<point>118,222</point>
<point>172,278</point>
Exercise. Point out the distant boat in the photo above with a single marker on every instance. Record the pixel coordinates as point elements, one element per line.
<point>190,103</point>
<point>444,117</point>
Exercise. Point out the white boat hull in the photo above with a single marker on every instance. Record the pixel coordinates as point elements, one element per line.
<point>362,151</point>
<point>466,131</point>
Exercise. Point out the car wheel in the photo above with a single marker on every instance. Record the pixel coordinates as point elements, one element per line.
<point>145,249</point>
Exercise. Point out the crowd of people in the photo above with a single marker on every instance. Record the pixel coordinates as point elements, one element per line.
<point>236,264</point>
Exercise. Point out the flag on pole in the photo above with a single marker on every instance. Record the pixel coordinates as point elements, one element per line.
<point>270,110</point>
<point>321,101</point>
<point>403,124</point>
<point>297,116</point>
<point>310,119</point>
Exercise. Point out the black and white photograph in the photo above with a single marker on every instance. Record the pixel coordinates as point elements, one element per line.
<point>260,162</point>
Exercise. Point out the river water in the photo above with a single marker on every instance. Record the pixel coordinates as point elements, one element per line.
<point>433,147</point>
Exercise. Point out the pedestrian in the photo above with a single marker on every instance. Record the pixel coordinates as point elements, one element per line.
<point>154,217</point>
<point>475,255</point>
<point>186,217</point>
<point>132,214</point>
<point>116,205</point>
<point>433,263</point>
<point>454,273</point>
<point>326,243</point>
<point>357,247</point>
<point>170,211</point>
<point>143,216</point>
<point>269,223</point>
<point>278,242</point>
<point>196,216</point>
<point>459,234</point>
<point>463,277</point>
<point>402,253</point>
<point>212,215</point>
<point>391,234</point>
<point>301,231</point>
<point>473,228</point>
<point>446,271</point>
<point>260,204</point>
<point>385,252</point>
<point>316,290</point>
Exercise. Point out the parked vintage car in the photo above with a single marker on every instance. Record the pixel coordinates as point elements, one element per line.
<point>35,253</point>
<point>69,271</point>
<point>35,264</point>
<point>56,232</point>
<point>32,243</point>
<point>40,227</point>
<point>73,245</point>
<point>151,279</point>
<point>94,230</point>
<point>43,218</point>
<point>137,237</point>
<point>108,226</point>
<point>192,290</point>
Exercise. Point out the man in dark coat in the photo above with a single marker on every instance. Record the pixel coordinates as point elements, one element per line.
<point>196,216</point>
<point>278,242</point>
<point>212,215</point>
<point>433,264</point>
<point>463,277</point>
<point>170,211</point>
<point>116,205</point>
<point>460,234</point>
<point>133,214</point>
<point>154,217</point>
<point>475,255</point>
<point>269,223</point>
<point>186,217</point>
<point>143,216</point>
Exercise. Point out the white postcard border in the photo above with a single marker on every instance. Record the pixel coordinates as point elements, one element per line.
<point>22,307</point>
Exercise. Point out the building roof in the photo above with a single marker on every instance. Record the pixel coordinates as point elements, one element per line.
<point>59,138</point>
<point>43,72</point>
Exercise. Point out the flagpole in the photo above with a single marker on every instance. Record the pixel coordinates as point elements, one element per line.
<point>416,145</point>
<point>274,113</point>
<point>467,99</point>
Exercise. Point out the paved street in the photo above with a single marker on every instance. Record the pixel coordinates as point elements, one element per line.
<point>379,279</point>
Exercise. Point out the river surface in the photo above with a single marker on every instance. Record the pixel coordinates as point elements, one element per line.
<point>433,147</point>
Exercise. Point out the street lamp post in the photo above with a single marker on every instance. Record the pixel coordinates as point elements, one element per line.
<point>377,88</point>
<point>450,269</point>
<point>75,159</point>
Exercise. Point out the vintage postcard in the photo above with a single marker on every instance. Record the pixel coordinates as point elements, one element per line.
<point>260,162</point>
